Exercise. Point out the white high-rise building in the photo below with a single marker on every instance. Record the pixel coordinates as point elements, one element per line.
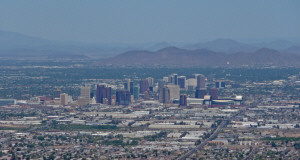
<point>150,81</point>
<point>168,93</point>
<point>166,79</point>
<point>192,83</point>
<point>174,91</point>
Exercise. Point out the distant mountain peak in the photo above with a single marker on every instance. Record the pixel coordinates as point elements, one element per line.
<point>171,48</point>
<point>267,50</point>
<point>173,56</point>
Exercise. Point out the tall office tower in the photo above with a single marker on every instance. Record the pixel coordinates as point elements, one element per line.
<point>131,88</point>
<point>164,95</point>
<point>64,99</point>
<point>85,93</point>
<point>108,94</point>
<point>192,83</point>
<point>103,93</point>
<point>160,86</point>
<point>174,91</point>
<point>100,93</point>
<point>200,82</point>
<point>128,85</point>
<point>175,78</point>
<point>136,92</point>
<point>213,93</point>
<point>150,81</point>
<point>57,93</point>
<point>183,100</point>
<point>200,93</point>
<point>144,85</point>
<point>123,97</point>
<point>181,81</point>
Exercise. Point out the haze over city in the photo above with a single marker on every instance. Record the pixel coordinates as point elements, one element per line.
<point>185,80</point>
<point>152,21</point>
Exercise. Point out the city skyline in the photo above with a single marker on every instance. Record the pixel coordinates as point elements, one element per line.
<point>169,79</point>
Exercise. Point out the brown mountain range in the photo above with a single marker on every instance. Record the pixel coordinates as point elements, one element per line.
<point>172,56</point>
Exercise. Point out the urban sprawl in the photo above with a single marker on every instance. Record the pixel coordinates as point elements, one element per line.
<point>173,117</point>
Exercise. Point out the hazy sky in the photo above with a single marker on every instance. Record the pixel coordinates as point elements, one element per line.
<point>139,21</point>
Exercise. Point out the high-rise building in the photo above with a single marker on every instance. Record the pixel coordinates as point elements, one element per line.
<point>182,82</point>
<point>144,85</point>
<point>164,95</point>
<point>183,100</point>
<point>103,93</point>
<point>192,83</point>
<point>85,93</point>
<point>150,81</point>
<point>131,88</point>
<point>167,92</point>
<point>136,92</point>
<point>128,85</point>
<point>64,99</point>
<point>174,91</point>
<point>200,93</point>
<point>175,77</point>
<point>123,97</point>
<point>160,86</point>
<point>57,93</point>
<point>201,82</point>
<point>166,79</point>
<point>213,93</point>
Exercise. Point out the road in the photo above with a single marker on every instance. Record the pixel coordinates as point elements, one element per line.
<point>213,136</point>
